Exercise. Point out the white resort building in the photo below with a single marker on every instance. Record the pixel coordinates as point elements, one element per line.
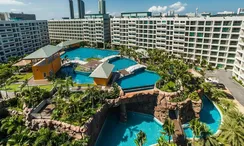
<point>212,38</point>
<point>218,39</point>
<point>238,70</point>
<point>22,37</point>
<point>94,28</point>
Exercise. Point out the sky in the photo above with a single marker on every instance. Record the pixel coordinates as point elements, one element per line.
<point>56,9</point>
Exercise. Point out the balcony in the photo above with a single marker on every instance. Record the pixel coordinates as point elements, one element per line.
<point>241,43</point>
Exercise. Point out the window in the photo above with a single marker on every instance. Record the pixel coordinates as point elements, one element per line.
<point>192,34</point>
<point>199,34</point>
<point>226,29</point>
<point>237,23</point>
<point>227,23</point>
<point>209,23</point>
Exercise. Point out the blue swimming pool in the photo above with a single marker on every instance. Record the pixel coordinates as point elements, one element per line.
<point>84,53</point>
<point>123,134</point>
<point>115,133</point>
<point>209,115</point>
<point>139,79</point>
<point>78,77</point>
<point>122,63</point>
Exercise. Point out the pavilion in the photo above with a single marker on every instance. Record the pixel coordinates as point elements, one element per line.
<point>45,61</point>
<point>102,74</point>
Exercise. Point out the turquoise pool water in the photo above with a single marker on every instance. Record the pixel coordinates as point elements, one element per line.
<point>209,115</point>
<point>122,63</point>
<point>115,133</point>
<point>78,77</point>
<point>139,79</point>
<point>84,53</point>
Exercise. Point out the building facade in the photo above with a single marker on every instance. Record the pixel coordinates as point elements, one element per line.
<point>94,28</point>
<point>102,6</point>
<point>214,39</point>
<point>16,16</point>
<point>238,70</point>
<point>18,38</point>
<point>81,8</point>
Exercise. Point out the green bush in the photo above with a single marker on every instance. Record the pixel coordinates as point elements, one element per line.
<point>170,87</point>
<point>194,96</point>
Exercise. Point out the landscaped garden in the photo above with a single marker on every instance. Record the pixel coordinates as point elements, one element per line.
<point>76,108</point>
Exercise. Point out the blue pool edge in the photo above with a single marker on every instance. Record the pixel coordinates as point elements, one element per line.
<point>154,118</point>
<point>221,116</point>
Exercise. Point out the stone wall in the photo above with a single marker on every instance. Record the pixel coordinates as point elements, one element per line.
<point>95,124</point>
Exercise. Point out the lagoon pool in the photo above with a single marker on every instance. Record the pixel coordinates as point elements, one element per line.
<point>121,63</point>
<point>77,77</point>
<point>209,115</point>
<point>115,133</point>
<point>140,78</point>
<point>84,53</point>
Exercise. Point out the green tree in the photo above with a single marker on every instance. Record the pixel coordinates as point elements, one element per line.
<point>217,94</point>
<point>231,132</point>
<point>140,138</point>
<point>25,83</point>
<point>207,87</point>
<point>168,128</point>
<point>207,137</point>
<point>10,124</point>
<point>196,127</point>
<point>162,141</point>
<point>21,137</point>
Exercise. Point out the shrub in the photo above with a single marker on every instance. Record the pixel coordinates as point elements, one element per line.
<point>194,96</point>
<point>170,87</point>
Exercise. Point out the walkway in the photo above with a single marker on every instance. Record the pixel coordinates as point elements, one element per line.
<point>75,61</point>
<point>134,67</point>
<point>225,77</point>
<point>108,58</point>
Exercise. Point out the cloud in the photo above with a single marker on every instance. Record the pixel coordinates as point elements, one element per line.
<point>157,9</point>
<point>11,2</point>
<point>114,13</point>
<point>14,10</point>
<point>178,7</point>
<point>88,12</point>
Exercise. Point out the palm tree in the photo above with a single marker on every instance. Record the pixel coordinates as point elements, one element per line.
<point>231,132</point>
<point>207,87</point>
<point>208,138</point>
<point>168,128</point>
<point>68,82</point>
<point>25,83</point>
<point>81,142</point>
<point>21,137</point>
<point>162,141</point>
<point>217,94</point>
<point>196,127</point>
<point>10,124</point>
<point>237,116</point>
<point>140,138</point>
<point>44,137</point>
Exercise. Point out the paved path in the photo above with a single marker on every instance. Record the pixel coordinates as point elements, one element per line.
<point>225,77</point>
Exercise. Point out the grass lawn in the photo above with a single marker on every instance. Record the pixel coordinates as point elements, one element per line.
<point>22,77</point>
<point>16,87</point>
